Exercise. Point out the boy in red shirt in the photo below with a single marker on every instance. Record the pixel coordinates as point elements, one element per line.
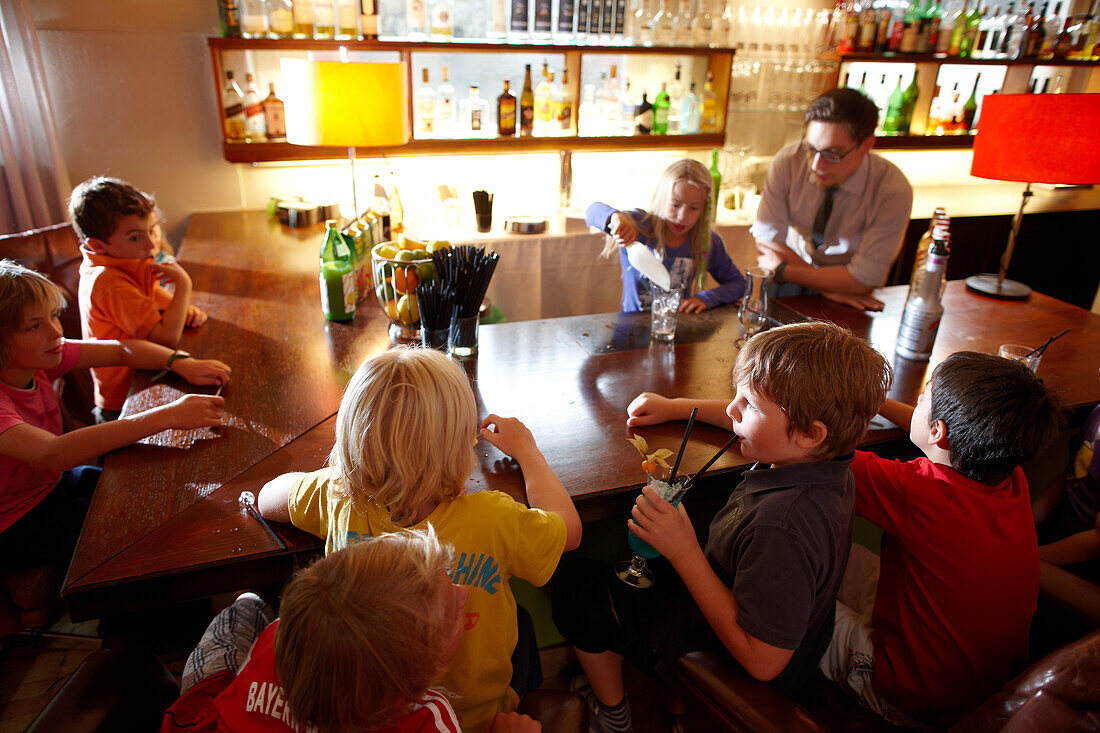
<point>120,295</point>
<point>959,573</point>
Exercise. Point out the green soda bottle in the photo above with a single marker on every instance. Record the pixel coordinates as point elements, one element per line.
<point>716,179</point>
<point>891,124</point>
<point>337,276</point>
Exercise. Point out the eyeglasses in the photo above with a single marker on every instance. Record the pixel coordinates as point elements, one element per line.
<point>826,155</point>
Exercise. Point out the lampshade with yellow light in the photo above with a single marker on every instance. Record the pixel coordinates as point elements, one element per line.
<point>1034,138</point>
<point>345,104</point>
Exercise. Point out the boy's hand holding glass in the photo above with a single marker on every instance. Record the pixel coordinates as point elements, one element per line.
<point>693,305</point>
<point>202,371</point>
<point>666,528</point>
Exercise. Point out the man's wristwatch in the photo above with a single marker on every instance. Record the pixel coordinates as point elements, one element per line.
<point>777,276</point>
<point>173,358</point>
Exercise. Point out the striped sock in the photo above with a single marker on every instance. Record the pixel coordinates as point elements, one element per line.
<point>616,719</point>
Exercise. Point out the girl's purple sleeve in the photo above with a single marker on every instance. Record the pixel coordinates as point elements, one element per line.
<point>731,283</point>
<point>598,214</point>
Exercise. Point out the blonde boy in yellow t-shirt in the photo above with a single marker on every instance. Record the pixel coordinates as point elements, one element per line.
<point>380,481</point>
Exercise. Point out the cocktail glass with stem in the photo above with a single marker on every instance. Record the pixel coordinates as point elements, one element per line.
<point>634,572</point>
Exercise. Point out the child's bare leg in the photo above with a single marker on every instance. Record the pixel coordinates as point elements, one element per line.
<point>605,673</point>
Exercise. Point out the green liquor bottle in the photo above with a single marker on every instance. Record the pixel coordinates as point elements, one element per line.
<point>337,276</point>
<point>908,105</point>
<point>892,123</point>
<point>660,111</point>
<point>970,108</point>
<point>716,182</point>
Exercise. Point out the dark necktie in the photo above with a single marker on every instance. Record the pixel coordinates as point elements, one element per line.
<point>822,218</point>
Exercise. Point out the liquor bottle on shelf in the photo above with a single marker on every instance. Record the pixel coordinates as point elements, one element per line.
<point>416,20</point>
<point>662,25</point>
<point>868,29</point>
<point>274,117</point>
<point>337,276</point>
<point>1052,26</point>
<point>506,113</point>
<point>883,24</point>
<point>721,27</point>
<point>1063,43</point>
<point>563,105</point>
<point>959,20</point>
<point>935,123</point>
<point>660,111</point>
<point>303,19</point>
<point>911,28</point>
<point>527,105</point>
<point>970,108</point>
<point>580,35</point>
<point>496,28</point>
<point>474,112</point>
<point>997,42</point>
<point>1036,32</point>
<point>644,28</point>
<point>544,106</point>
<point>850,38</point>
<point>623,32</point>
<point>895,109</point>
<point>627,106</point>
<point>324,19</point>
<point>588,118</point>
<point>424,108</point>
<point>643,116</point>
<point>253,18</point>
<point>985,26</point>
<point>611,106</point>
<point>689,111</point>
<point>541,21</point>
<point>255,131</point>
<point>233,110</point>
<point>607,22</point>
<point>675,103</point>
<point>347,19</point>
<point>708,116</point>
<point>229,15</point>
<point>862,88</point>
<point>924,309</point>
<point>368,20</point>
<point>446,113</point>
<point>973,24</point>
<point>442,20</point>
<point>702,26</point>
<point>1057,89</point>
<point>681,24</point>
<point>563,26</point>
<point>519,22</point>
<point>909,105</point>
<point>1026,40</point>
<point>280,18</point>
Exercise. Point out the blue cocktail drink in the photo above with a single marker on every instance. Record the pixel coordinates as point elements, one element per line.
<point>672,494</point>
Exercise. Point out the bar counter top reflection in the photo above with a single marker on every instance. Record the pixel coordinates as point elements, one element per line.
<point>165,524</point>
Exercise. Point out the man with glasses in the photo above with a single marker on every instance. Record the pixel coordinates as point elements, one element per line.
<point>832,216</point>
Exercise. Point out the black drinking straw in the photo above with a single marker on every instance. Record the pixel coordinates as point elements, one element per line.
<point>436,303</point>
<point>683,443</point>
<point>708,464</point>
<point>1039,351</point>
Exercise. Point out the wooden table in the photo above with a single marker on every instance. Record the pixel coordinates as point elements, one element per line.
<point>165,523</point>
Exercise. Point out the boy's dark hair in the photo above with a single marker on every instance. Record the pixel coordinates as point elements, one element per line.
<point>997,412</point>
<point>849,107</point>
<point>97,204</point>
<point>817,371</point>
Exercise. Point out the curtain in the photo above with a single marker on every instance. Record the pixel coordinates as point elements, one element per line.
<point>34,182</point>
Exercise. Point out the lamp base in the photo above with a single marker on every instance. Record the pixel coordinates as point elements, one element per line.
<point>986,284</point>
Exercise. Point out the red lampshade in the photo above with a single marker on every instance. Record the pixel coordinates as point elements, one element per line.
<point>1039,138</point>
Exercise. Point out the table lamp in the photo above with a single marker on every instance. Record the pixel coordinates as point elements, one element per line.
<point>1033,138</point>
<point>345,104</point>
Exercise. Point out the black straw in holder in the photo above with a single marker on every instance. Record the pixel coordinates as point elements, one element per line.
<point>683,443</point>
<point>466,272</point>
<point>709,463</point>
<point>436,303</point>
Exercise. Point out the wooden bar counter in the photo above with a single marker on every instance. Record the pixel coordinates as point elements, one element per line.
<point>165,524</point>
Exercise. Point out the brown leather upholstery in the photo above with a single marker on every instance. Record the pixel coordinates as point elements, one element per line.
<point>559,711</point>
<point>1059,692</point>
<point>55,252</point>
<point>111,690</point>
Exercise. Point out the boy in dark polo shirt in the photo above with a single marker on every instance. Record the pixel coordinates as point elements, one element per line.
<point>764,587</point>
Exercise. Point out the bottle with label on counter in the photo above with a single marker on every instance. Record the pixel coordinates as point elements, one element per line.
<point>337,276</point>
<point>920,320</point>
